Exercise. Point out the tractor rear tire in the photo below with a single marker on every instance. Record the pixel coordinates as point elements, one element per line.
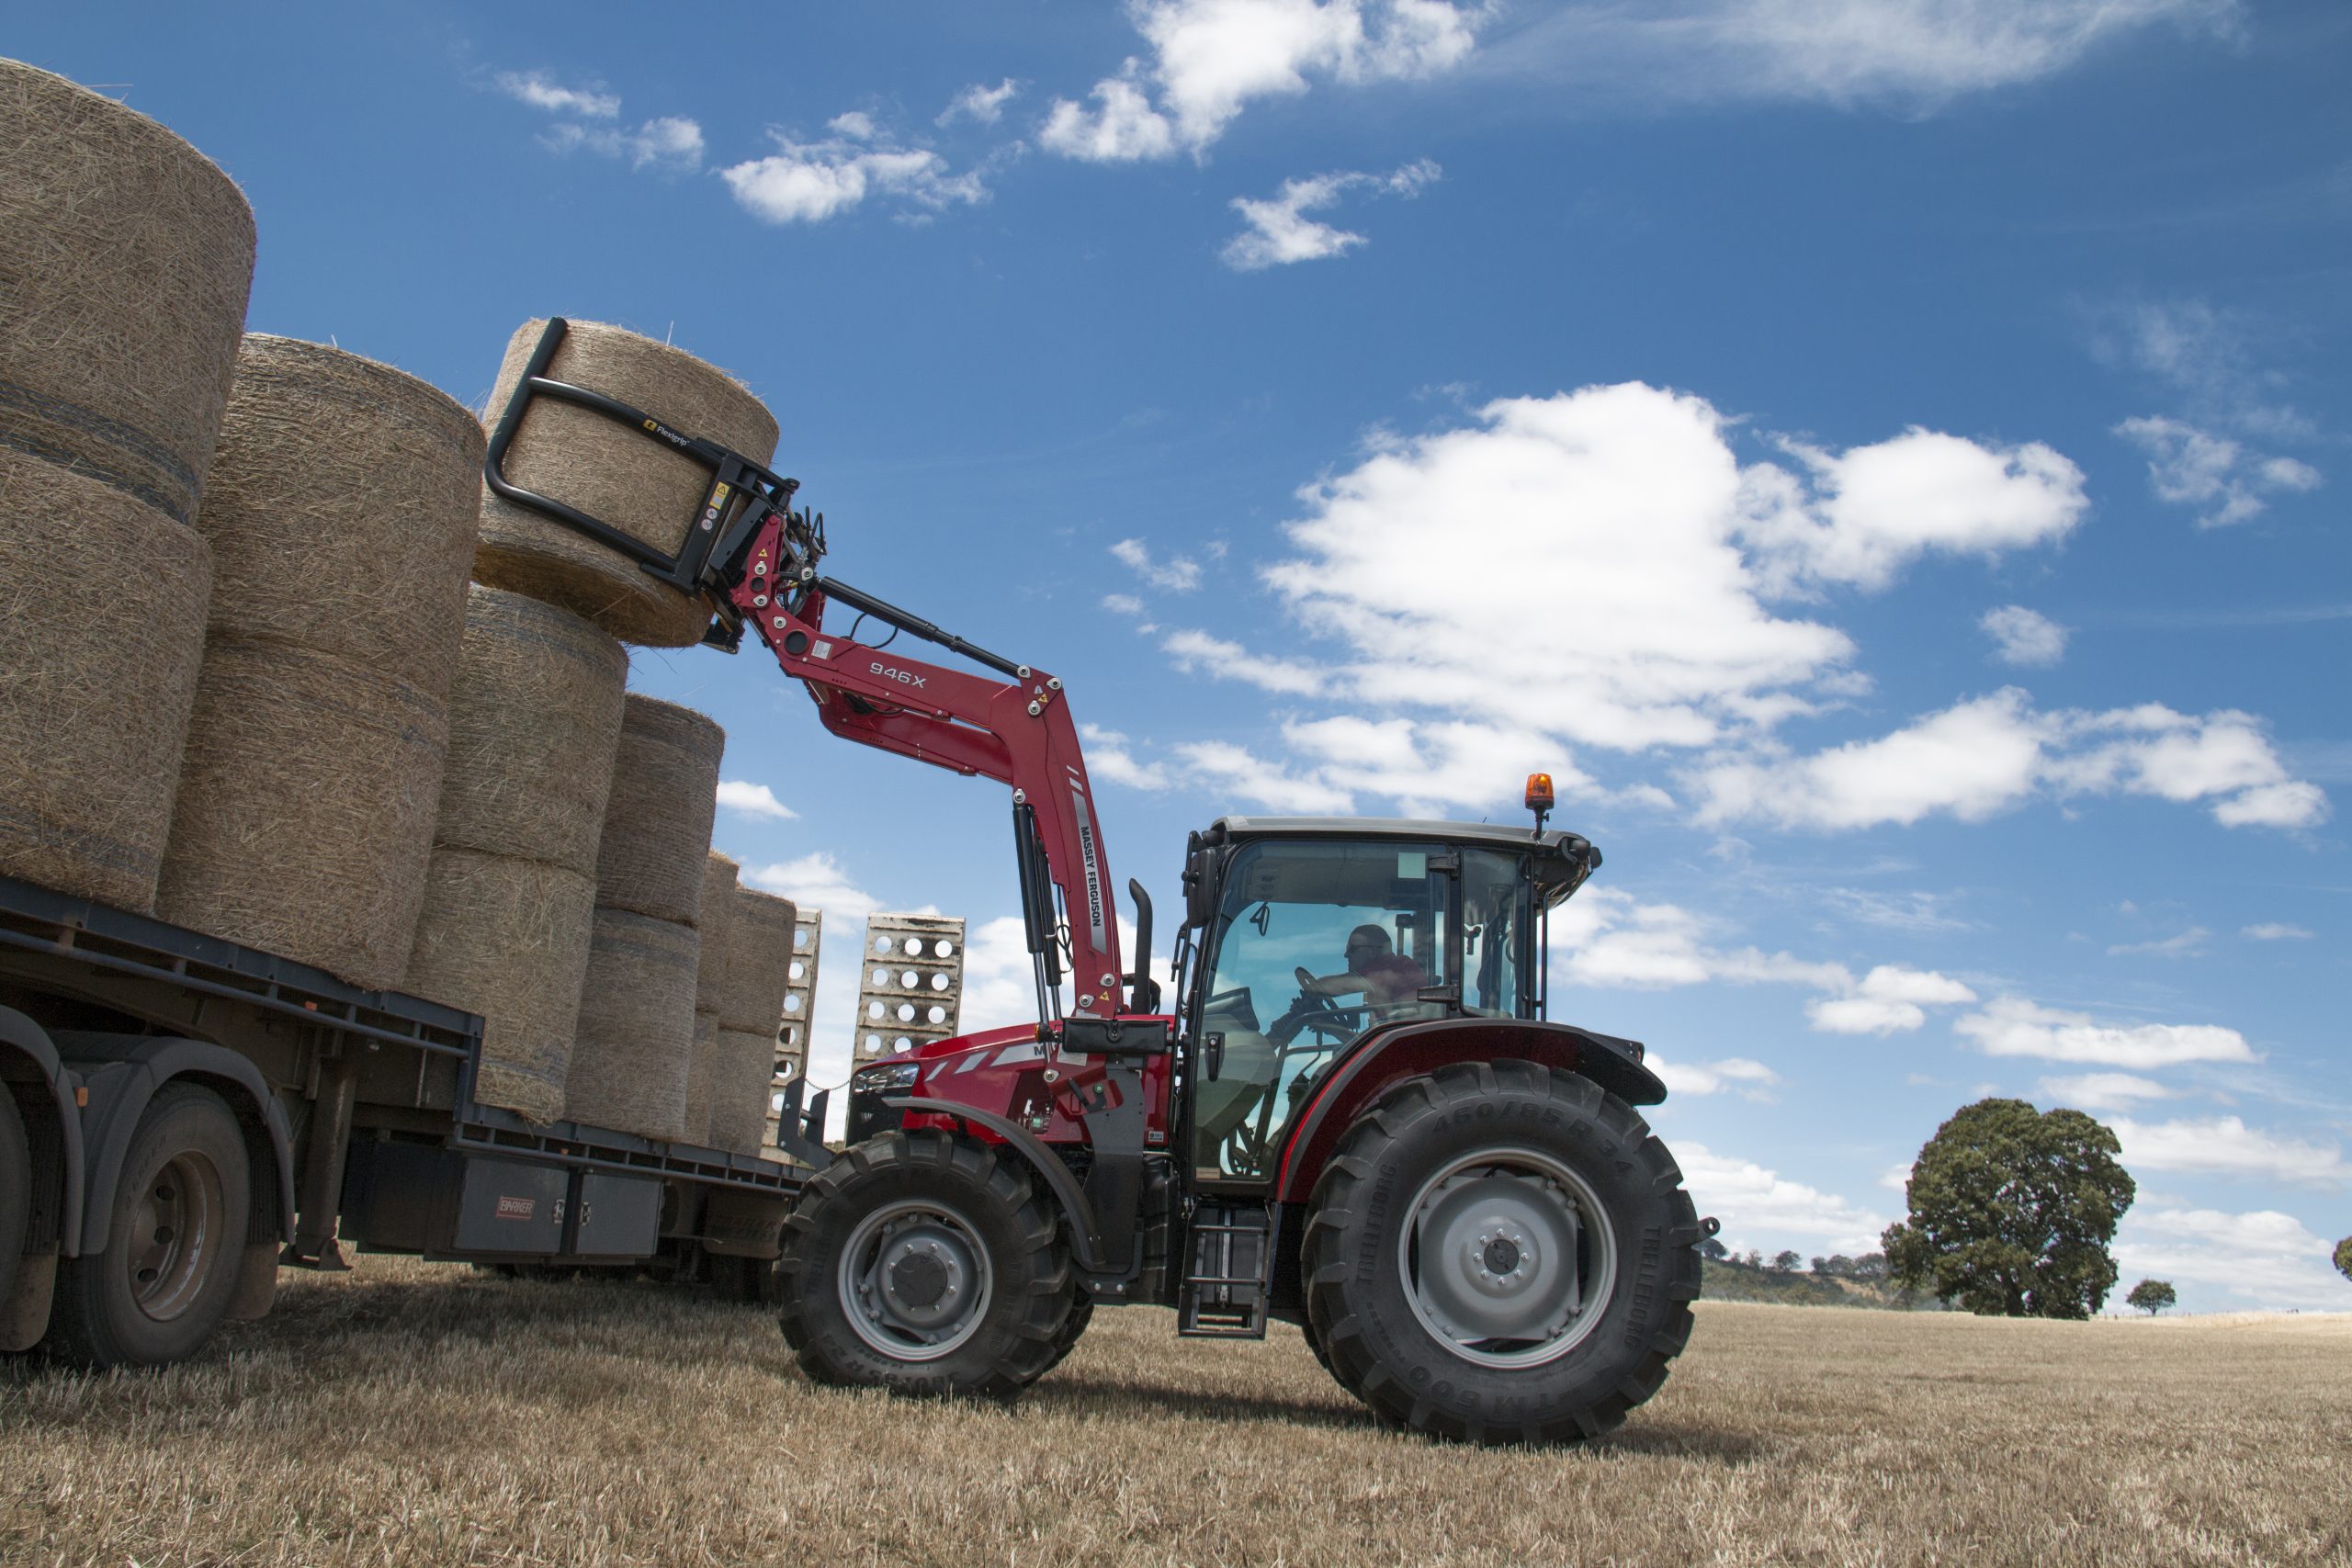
<point>175,1242</point>
<point>924,1263</point>
<point>1499,1253</point>
<point>16,1190</point>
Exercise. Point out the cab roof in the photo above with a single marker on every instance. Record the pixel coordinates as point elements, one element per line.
<point>1505,836</point>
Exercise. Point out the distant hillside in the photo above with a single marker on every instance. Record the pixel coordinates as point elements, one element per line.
<point>1731,1282</point>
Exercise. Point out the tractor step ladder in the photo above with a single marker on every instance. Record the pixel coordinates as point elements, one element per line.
<point>1224,1293</point>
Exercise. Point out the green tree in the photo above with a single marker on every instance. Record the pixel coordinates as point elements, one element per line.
<point>1712,1248</point>
<point>1787,1262</point>
<point>2343,1258</point>
<point>2151,1296</point>
<point>2012,1210</point>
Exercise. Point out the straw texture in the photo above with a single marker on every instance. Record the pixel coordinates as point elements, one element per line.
<point>717,924</point>
<point>739,1090</point>
<point>657,820</point>
<point>535,719</point>
<point>93,702</point>
<point>125,259</point>
<point>508,938</point>
<point>612,473</point>
<point>341,510</point>
<point>701,1066</point>
<point>759,960</point>
<point>636,1026</point>
<point>304,816</point>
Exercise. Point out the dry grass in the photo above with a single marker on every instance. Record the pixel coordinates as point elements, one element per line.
<point>417,1414</point>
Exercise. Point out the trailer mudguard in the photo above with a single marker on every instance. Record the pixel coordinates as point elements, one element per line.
<point>22,1040</point>
<point>122,1072</point>
<point>1389,1055</point>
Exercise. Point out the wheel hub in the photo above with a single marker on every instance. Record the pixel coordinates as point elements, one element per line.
<point>1508,1258</point>
<point>914,1281</point>
<point>175,1230</point>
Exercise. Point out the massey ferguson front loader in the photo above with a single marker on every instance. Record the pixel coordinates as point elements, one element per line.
<point>1355,1116</point>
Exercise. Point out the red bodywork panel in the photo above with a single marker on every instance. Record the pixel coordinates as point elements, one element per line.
<point>1003,1070</point>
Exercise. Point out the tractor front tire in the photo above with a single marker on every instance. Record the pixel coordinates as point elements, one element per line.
<point>925,1264</point>
<point>1500,1253</point>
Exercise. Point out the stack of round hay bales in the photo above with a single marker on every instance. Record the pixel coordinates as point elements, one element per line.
<point>717,925</point>
<point>750,1008</point>
<point>339,512</point>
<point>634,1049</point>
<point>535,718</point>
<point>125,259</point>
<point>613,472</point>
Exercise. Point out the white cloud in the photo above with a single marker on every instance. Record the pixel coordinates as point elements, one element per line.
<point>2190,944</point>
<point>2225,1145</point>
<point>1861,516</point>
<point>2014,1026</point>
<point>1196,651</point>
<point>541,91</point>
<point>1863,1015</point>
<point>815,882</point>
<point>1212,58</point>
<point>1108,756</point>
<point>2207,355</point>
<point>1242,775</point>
<point>672,143</point>
<point>1122,603</point>
<point>2231,482</point>
<point>2276,930</point>
<point>2024,637</point>
<point>809,182</point>
<point>2264,1256</point>
<point>1710,1078</point>
<point>1893,982</point>
<point>999,985</point>
<point>1430,768</point>
<point>980,104</point>
<point>1752,1201</point>
<point>2105,1091</point>
<point>1279,232</point>
<point>1178,574</point>
<point>753,800</point>
<point>1992,753</point>
<point>1914,54</point>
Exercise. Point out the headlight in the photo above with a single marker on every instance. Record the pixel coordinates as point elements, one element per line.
<point>886,1079</point>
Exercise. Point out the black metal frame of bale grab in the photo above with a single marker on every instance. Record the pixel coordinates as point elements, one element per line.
<point>368,1097</point>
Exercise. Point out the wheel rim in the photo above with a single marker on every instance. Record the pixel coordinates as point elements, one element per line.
<point>1509,1257</point>
<point>176,1229</point>
<point>915,1281</point>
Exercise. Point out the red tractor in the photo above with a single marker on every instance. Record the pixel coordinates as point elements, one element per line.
<point>1354,1117</point>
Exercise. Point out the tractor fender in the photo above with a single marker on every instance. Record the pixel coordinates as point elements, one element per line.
<point>1389,1055</point>
<point>29,1056</point>
<point>1085,1231</point>
<point>124,1072</point>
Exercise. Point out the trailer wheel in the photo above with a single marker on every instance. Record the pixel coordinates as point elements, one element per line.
<point>924,1264</point>
<point>1502,1254</point>
<point>16,1190</point>
<point>177,1235</point>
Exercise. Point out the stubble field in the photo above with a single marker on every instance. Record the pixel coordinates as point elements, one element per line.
<point>421,1415</point>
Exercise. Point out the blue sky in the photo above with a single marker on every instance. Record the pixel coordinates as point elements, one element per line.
<point>1887,461</point>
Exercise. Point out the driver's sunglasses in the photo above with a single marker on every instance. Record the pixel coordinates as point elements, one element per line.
<point>1356,947</point>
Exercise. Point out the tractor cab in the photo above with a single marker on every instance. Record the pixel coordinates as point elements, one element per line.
<point>1303,934</point>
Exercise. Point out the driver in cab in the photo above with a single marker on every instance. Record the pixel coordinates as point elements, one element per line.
<point>1376,971</point>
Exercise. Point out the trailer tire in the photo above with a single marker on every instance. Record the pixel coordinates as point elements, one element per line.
<point>176,1236</point>
<point>1500,1253</point>
<point>884,1240</point>
<point>16,1190</point>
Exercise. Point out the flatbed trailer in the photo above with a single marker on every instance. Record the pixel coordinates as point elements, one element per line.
<point>350,1118</point>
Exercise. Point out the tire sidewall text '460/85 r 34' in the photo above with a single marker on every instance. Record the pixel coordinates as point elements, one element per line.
<point>175,1242</point>
<point>1511,1165</point>
<point>924,1263</point>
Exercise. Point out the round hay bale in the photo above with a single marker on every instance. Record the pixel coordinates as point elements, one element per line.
<point>125,260</point>
<point>702,1065</point>
<point>635,1045</point>
<point>716,923</point>
<point>739,1090</point>
<point>93,702</point>
<point>508,938</point>
<point>341,510</point>
<point>658,816</point>
<point>612,473</point>
<point>304,817</point>
<point>759,962</point>
<point>535,718</point>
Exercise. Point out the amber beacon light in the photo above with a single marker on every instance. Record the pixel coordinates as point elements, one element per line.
<point>1539,797</point>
